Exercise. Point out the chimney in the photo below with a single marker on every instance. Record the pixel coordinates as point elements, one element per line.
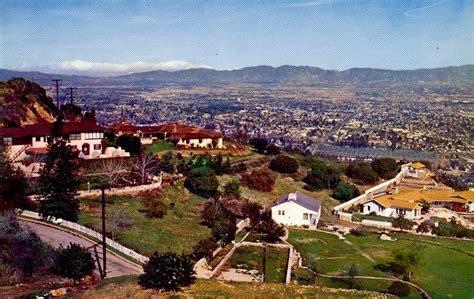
<point>292,196</point>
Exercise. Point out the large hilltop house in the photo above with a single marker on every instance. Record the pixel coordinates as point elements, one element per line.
<point>85,136</point>
<point>297,209</point>
<point>183,136</point>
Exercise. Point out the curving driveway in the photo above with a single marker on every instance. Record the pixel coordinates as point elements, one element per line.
<point>116,266</point>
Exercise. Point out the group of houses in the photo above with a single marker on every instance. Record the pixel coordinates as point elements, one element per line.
<point>86,137</point>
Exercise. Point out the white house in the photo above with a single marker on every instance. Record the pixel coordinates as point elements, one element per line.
<point>417,170</point>
<point>387,206</point>
<point>296,209</point>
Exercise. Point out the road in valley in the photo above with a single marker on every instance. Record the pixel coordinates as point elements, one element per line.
<point>116,266</point>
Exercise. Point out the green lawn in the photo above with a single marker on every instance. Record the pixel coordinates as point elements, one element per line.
<point>158,147</point>
<point>178,231</point>
<point>275,264</point>
<point>446,268</point>
<point>359,217</point>
<point>248,257</point>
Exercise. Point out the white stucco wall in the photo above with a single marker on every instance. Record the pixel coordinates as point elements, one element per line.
<point>371,206</point>
<point>205,143</point>
<point>293,214</point>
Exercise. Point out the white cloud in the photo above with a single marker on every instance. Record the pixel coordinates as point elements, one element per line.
<point>82,66</point>
<point>311,3</point>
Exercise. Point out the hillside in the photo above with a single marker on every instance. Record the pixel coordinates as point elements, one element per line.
<point>449,77</point>
<point>24,102</point>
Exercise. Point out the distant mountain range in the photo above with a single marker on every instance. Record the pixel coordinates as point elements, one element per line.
<point>447,77</point>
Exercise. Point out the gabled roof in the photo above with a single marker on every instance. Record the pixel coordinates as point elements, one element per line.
<point>388,202</point>
<point>301,199</point>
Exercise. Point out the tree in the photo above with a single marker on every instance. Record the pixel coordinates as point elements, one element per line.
<point>220,220</point>
<point>204,249</point>
<point>273,150</point>
<point>405,260</point>
<point>259,179</point>
<point>117,220</point>
<point>399,289</point>
<point>59,180</point>
<point>284,164</point>
<point>202,181</point>
<point>73,262</point>
<point>402,223</point>
<point>252,210</point>
<point>145,166</point>
<point>129,143</point>
<point>352,272</point>
<point>167,272</point>
<point>111,171</point>
<point>423,228</point>
<point>272,231</point>
<point>345,192</point>
<point>425,206</point>
<point>385,168</point>
<point>362,172</point>
<point>321,177</point>
<point>232,189</point>
<point>259,144</point>
<point>13,184</point>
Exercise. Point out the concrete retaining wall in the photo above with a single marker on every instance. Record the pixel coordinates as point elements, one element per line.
<point>119,191</point>
<point>381,224</point>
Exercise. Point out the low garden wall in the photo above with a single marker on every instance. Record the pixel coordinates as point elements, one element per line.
<point>380,224</point>
<point>120,190</point>
<point>89,232</point>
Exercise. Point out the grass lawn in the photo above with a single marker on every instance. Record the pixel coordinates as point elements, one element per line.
<point>178,231</point>
<point>126,287</point>
<point>359,217</point>
<point>275,264</point>
<point>283,185</point>
<point>248,257</point>
<point>158,147</point>
<point>446,268</point>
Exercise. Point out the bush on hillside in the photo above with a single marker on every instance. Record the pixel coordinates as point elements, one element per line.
<point>259,179</point>
<point>284,164</point>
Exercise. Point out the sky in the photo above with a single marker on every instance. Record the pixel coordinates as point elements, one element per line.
<point>115,37</point>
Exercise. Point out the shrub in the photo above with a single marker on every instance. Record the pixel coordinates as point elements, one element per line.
<point>252,210</point>
<point>321,177</point>
<point>386,168</point>
<point>259,144</point>
<point>232,189</point>
<point>167,272</point>
<point>154,207</point>
<point>362,172</point>
<point>129,143</point>
<point>73,262</point>
<point>259,179</point>
<point>202,181</point>
<point>284,164</point>
<point>273,150</point>
<point>345,192</point>
<point>204,248</point>
<point>399,289</point>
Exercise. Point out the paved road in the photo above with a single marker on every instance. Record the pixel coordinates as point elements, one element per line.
<point>115,266</point>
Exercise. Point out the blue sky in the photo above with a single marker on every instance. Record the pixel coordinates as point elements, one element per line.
<point>113,36</point>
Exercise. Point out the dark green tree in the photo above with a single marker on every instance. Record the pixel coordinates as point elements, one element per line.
<point>202,181</point>
<point>252,210</point>
<point>405,260</point>
<point>273,150</point>
<point>425,206</point>
<point>352,272</point>
<point>402,223</point>
<point>321,177</point>
<point>74,262</point>
<point>204,248</point>
<point>386,168</point>
<point>399,289</point>
<point>129,143</point>
<point>167,272</point>
<point>259,144</point>
<point>362,172</point>
<point>345,192</point>
<point>13,184</point>
<point>59,179</point>
<point>232,189</point>
<point>284,164</point>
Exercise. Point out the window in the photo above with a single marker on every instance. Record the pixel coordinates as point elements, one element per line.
<point>75,136</point>
<point>368,208</point>
<point>281,212</point>
<point>7,141</point>
<point>97,146</point>
<point>37,138</point>
<point>380,209</point>
<point>305,216</point>
<point>94,135</point>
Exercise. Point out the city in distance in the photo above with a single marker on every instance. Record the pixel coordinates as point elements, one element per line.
<point>272,149</point>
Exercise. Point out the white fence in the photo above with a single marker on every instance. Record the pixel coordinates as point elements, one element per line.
<point>92,233</point>
<point>380,187</point>
<point>380,224</point>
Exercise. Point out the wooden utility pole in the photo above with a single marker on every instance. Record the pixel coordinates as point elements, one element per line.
<point>71,93</point>
<point>104,243</point>
<point>57,91</point>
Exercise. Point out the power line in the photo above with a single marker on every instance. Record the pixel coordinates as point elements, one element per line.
<point>57,91</point>
<point>71,93</point>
